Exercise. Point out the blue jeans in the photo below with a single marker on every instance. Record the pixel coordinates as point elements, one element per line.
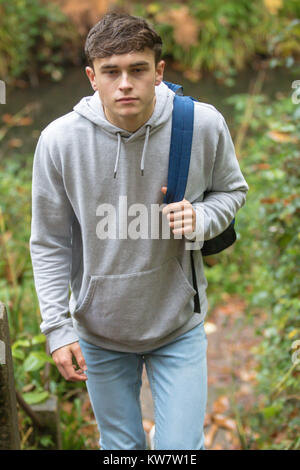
<point>177,374</point>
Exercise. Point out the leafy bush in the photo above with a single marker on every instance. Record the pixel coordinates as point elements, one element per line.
<point>35,38</point>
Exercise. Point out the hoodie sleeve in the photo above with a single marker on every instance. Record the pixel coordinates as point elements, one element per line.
<point>225,195</point>
<point>50,247</point>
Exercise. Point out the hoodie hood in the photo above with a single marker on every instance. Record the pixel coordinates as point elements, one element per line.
<point>91,108</point>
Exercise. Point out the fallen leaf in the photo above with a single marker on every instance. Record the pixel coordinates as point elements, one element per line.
<point>278,136</point>
<point>289,199</point>
<point>244,390</point>
<point>229,436</point>
<point>84,12</point>
<point>269,200</point>
<point>210,435</point>
<point>88,429</point>
<point>212,380</point>
<point>217,447</point>
<point>261,166</point>
<point>224,422</point>
<point>8,118</point>
<point>228,309</point>
<point>184,24</point>
<point>67,407</point>
<point>221,404</point>
<point>247,376</point>
<point>28,388</point>
<point>25,121</point>
<point>192,75</point>
<point>15,143</point>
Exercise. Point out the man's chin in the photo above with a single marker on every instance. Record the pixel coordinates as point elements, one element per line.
<point>129,113</point>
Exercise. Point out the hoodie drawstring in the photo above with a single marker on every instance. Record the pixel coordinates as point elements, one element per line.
<point>118,153</point>
<point>144,149</point>
<point>148,127</point>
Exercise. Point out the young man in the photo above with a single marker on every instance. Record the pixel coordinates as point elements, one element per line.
<point>99,175</point>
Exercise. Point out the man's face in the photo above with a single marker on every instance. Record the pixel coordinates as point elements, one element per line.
<point>126,86</point>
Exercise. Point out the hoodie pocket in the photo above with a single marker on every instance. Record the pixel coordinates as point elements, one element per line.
<point>138,307</point>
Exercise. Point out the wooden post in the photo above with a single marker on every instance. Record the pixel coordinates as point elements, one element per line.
<point>9,432</point>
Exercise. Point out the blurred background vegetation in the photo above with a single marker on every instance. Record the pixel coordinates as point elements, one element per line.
<point>244,58</point>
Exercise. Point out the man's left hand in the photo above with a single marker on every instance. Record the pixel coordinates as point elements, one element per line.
<point>181,215</point>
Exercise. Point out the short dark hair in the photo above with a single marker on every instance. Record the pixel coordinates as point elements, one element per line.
<point>121,33</point>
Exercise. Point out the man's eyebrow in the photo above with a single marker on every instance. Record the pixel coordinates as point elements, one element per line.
<point>111,66</point>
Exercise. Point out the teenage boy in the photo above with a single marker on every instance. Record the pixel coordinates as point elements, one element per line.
<point>132,294</point>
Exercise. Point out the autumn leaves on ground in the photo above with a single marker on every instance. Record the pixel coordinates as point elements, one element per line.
<point>231,376</point>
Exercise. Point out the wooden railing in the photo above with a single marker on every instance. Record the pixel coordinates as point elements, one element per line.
<point>9,432</point>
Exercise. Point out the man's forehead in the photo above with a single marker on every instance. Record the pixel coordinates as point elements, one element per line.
<point>132,58</point>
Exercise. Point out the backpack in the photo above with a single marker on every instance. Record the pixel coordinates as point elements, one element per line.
<point>179,161</point>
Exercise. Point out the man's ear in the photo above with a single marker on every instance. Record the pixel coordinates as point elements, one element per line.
<point>91,76</point>
<point>159,73</point>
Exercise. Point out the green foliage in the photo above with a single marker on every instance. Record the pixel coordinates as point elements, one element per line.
<point>267,264</point>
<point>30,359</point>
<point>73,423</point>
<point>17,285</point>
<point>231,35</point>
<point>35,38</point>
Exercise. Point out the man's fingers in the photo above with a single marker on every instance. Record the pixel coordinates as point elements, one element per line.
<point>63,360</point>
<point>76,350</point>
<point>179,215</point>
<point>69,373</point>
<point>183,230</point>
<point>180,223</point>
<point>176,206</point>
<point>181,219</point>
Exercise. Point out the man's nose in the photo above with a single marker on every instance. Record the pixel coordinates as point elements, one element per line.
<point>125,83</point>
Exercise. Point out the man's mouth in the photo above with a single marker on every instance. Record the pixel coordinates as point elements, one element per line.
<point>127,100</point>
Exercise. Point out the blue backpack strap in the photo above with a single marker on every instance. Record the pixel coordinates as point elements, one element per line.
<point>180,148</point>
<point>178,89</point>
<point>179,161</point>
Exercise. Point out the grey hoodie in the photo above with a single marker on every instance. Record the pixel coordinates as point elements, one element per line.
<point>93,181</point>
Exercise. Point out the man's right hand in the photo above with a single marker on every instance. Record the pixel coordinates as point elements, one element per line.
<point>63,359</point>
